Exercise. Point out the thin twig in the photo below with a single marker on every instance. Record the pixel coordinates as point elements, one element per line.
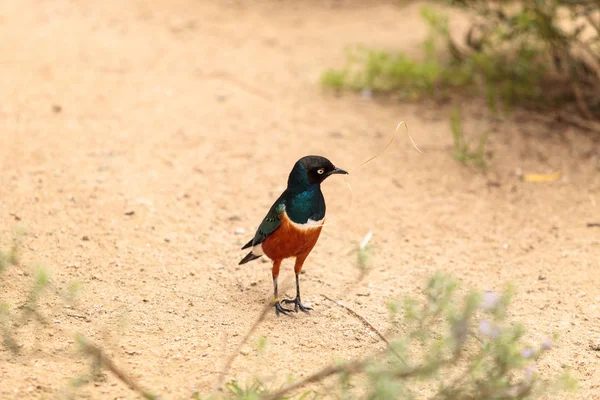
<point>234,354</point>
<point>368,325</point>
<point>268,306</point>
<point>569,119</point>
<point>579,122</point>
<point>580,101</point>
<point>355,367</point>
<point>455,51</point>
<point>593,23</point>
<point>352,367</point>
<point>83,317</point>
<point>106,362</point>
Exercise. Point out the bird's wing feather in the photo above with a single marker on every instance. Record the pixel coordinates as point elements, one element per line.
<point>269,224</point>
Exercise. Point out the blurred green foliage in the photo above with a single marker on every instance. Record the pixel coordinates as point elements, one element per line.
<point>15,317</point>
<point>462,148</point>
<point>448,344</point>
<point>458,346</point>
<point>515,53</point>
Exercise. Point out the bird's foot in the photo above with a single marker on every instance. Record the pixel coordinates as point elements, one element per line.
<point>280,309</point>
<point>297,304</point>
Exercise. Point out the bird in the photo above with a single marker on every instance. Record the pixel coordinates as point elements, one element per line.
<point>293,224</point>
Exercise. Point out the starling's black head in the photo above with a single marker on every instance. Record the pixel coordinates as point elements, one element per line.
<point>312,170</point>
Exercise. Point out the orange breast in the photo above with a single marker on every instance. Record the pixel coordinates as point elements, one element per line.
<point>290,241</point>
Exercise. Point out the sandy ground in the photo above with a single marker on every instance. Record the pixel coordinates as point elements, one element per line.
<point>190,114</point>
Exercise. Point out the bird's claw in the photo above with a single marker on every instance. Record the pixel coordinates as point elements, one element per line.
<point>280,309</point>
<point>297,304</point>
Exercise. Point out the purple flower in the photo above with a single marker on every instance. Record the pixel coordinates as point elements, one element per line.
<point>485,328</point>
<point>489,330</point>
<point>546,344</point>
<point>527,353</point>
<point>490,300</point>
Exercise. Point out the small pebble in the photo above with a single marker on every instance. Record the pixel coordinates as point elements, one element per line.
<point>240,231</point>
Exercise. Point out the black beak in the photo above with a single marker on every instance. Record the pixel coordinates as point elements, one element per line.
<point>337,170</point>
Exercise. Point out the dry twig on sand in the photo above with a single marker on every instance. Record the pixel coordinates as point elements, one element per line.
<point>234,354</point>
<point>103,360</point>
<point>368,325</point>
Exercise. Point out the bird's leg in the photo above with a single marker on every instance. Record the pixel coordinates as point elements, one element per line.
<point>297,302</point>
<point>278,307</point>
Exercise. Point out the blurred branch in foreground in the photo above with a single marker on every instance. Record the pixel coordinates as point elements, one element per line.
<point>457,348</point>
<point>102,360</point>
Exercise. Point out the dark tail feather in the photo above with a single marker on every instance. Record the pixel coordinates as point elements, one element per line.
<point>248,244</point>
<point>249,257</point>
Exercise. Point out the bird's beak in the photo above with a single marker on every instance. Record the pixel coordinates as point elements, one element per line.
<point>338,171</point>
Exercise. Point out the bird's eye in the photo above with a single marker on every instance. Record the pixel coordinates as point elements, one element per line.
<point>320,171</point>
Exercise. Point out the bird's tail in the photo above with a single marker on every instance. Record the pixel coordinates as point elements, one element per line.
<point>249,257</point>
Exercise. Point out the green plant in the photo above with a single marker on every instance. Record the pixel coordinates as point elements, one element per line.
<point>444,345</point>
<point>334,79</point>
<point>12,256</point>
<point>364,254</point>
<point>462,148</point>
<point>516,54</point>
<point>251,392</point>
<point>13,318</point>
<point>457,348</point>
<point>41,280</point>
<point>384,72</point>
<point>7,259</point>
<point>552,48</point>
<point>8,339</point>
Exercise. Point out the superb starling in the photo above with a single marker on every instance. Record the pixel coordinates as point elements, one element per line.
<point>292,226</point>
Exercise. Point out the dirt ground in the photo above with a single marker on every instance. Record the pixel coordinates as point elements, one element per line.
<point>190,114</point>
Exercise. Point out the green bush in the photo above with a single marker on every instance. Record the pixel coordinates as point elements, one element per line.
<point>446,346</point>
<point>515,53</point>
